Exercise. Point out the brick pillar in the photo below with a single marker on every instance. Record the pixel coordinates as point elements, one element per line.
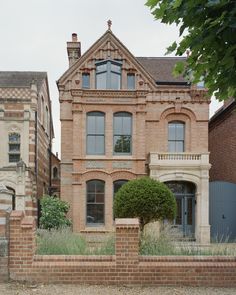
<point>127,248</point>
<point>22,245</point>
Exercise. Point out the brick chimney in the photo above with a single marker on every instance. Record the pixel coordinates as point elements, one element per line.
<point>73,50</point>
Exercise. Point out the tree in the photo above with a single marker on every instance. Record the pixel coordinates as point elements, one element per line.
<point>145,198</point>
<point>53,213</point>
<point>208,30</point>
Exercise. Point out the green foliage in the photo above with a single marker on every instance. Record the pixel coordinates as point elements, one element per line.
<point>145,198</point>
<point>208,30</point>
<point>64,242</point>
<point>53,213</point>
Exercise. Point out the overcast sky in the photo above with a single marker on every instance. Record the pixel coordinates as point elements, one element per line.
<point>34,33</point>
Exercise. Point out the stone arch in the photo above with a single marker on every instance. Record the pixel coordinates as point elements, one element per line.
<point>95,174</point>
<point>183,111</point>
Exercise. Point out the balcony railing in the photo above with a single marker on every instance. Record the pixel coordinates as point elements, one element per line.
<point>179,159</point>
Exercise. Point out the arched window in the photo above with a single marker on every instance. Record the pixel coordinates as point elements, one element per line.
<point>13,193</point>
<point>55,172</point>
<point>108,74</point>
<point>95,133</point>
<point>95,202</point>
<point>14,147</point>
<point>117,185</point>
<point>176,137</point>
<point>122,133</point>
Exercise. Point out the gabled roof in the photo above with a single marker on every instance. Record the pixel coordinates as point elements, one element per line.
<point>220,114</point>
<point>21,79</point>
<point>108,35</point>
<point>161,68</point>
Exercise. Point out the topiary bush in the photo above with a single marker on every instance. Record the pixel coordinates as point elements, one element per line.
<point>53,213</point>
<point>145,198</point>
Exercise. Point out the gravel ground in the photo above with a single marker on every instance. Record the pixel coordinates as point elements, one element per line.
<point>21,289</point>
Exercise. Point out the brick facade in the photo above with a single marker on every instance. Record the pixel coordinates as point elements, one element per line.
<point>222,144</point>
<point>25,111</point>
<point>152,105</point>
<point>125,267</point>
<point>55,175</point>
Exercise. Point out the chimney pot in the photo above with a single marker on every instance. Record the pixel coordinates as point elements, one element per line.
<point>74,37</point>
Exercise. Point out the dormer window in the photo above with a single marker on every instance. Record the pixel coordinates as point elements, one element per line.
<point>85,80</point>
<point>108,75</point>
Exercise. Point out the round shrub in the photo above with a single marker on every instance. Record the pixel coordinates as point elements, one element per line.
<point>53,213</point>
<point>145,198</point>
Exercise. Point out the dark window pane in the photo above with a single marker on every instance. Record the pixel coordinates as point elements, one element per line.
<point>130,81</point>
<point>14,147</point>
<point>178,219</point>
<point>85,80</point>
<point>99,198</point>
<point>101,81</point>
<point>14,158</point>
<point>118,184</point>
<point>95,213</point>
<point>90,198</point>
<point>189,211</point>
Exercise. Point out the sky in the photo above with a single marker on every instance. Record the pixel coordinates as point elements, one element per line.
<point>34,34</point>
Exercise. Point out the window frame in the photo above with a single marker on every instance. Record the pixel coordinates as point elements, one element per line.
<point>94,224</point>
<point>130,75</point>
<point>85,74</point>
<point>123,134</point>
<point>176,140</point>
<point>16,142</point>
<point>102,114</point>
<point>108,72</point>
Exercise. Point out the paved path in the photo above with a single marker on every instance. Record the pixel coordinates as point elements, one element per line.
<point>21,289</point>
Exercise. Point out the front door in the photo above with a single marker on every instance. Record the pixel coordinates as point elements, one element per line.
<point>185,199</point>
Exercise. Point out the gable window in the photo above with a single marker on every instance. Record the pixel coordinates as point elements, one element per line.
<point>176,134</point>
<point>130,81</point>
<point>85,80</point>
<point>108,75</point>
<point>14,147</point>
<point>95,133</point>
<point>95,202</point>
<point>122,133</point>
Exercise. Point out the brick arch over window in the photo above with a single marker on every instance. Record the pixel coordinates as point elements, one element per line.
<point>124,175</point>
<point>183,111</point>
<point>186,116</point>
<point>95,174</point>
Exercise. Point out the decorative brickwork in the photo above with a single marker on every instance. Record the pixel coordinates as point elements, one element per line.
<point>126,267</point>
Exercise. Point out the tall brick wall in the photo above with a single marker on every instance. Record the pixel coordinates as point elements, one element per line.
<point>222,146</point>
<point>126,267</point>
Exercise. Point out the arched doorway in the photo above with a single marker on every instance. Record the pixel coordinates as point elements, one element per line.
<point>13,198</point>
<point>185,199</point>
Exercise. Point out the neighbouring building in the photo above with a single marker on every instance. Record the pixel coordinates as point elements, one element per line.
<point>124,117</point>
<point>222,146</point>
<point>26,134</point>
<point>55,175</point>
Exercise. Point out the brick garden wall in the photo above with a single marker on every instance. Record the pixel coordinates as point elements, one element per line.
<point>126,267</point>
